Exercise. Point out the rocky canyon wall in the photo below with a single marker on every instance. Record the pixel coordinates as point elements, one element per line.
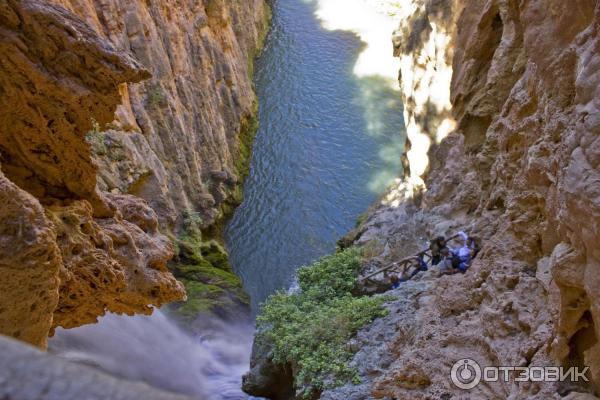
<point>179,140</point>
<point>519,171</point>
<point>123,125</point>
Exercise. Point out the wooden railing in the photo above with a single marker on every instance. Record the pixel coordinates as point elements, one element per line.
<point>403,266</point>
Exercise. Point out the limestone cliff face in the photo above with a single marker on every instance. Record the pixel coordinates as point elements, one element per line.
<point>117,118</point>
<point>181,139</point>
<point>178,138</point>
<point>520,171</point>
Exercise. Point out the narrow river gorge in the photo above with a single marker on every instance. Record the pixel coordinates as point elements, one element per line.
<point>167,169</point>
<point>328,144</point>
<point>330,136</point>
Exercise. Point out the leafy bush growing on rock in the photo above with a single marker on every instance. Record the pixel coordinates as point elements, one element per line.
<point>156,96</point>
<point>96,139</point>
<point>310,329</point>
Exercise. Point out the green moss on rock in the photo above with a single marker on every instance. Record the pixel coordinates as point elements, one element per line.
<point>212,287</point>
<point>201,299</point>
<point>248,129</point>
<point>200,261</point>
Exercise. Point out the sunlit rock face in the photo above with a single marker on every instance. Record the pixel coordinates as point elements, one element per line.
<point>423,44</point>
<point>179,139</point>
<point>64,245</point>
<point>80,134</point>
<point>520,171</point>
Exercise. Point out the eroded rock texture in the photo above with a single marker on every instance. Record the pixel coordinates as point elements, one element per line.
<point>57,74</point>
<point>118,263</point>
<point>520,171</point>
<point>68,252</point>
<point>181,139</point>
<point>101,101</point>
<point>29,267</point>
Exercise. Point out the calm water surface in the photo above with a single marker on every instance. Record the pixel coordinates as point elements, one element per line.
<point>328,144</point>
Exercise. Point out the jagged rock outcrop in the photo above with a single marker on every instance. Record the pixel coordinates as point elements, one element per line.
<point>118,263</point>
<point>51,378</point>
<point>120,122</point>
<point>520,172</point>
<point>265,378</point>
<point>68,252</point>
<point>30,264</point>
<point>57,74</point>
<point>181,139</point>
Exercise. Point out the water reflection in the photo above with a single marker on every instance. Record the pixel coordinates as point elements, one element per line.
<point>330,139</point>
<point>382,114</point>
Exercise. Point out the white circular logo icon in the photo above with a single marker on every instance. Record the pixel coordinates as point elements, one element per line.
<point>465,374</point>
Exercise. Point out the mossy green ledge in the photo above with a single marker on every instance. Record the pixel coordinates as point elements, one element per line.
<point>201,261</point>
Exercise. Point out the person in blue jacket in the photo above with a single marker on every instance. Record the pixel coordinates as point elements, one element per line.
<point>458,259</point>
<point>463,256</point>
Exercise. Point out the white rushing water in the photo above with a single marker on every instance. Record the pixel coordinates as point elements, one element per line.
<point>154,350</point>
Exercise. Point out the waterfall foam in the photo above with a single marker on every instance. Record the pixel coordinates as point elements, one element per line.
<point>155,350</point>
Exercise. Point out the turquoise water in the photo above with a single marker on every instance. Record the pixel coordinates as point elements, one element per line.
<point>329,143</point>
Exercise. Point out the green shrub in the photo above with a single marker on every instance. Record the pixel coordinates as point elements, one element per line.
<point>96,139</point>
<point>248,130</point>
<point>156,96</point>
<point>310,329</point>
<point>331,276</point>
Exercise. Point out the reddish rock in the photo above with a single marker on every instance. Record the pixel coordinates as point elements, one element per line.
<point>29,265</point>
<point>68,253</point>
